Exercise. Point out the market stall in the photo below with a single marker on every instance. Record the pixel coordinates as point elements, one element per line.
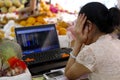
<point>10,19</point>
<point>50,12</point>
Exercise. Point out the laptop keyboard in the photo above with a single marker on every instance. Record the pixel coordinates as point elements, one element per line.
<point>45,57</point>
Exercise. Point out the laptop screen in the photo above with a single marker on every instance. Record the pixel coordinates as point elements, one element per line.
<point>36,39</point>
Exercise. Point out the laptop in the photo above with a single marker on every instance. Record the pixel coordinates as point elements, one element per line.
<point>40,48</point>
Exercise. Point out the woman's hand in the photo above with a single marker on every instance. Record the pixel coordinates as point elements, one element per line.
<point>80,31</point>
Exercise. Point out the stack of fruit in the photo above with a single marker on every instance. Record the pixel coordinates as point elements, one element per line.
<point>32,21</point>
<point>61,27</point>
<point>8,6</point>
<point>8,9</point>
<point>51,9</point>
<point>45,8</point>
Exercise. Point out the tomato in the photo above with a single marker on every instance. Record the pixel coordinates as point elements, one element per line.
<point>15,62</point>
<point>21,64</point>
<point>12,61</point>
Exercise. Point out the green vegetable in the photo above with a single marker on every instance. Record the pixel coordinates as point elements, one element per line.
<point>9,49</point>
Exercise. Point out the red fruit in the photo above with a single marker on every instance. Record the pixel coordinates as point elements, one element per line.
<point>15,62</point>
<point>21,64</point>
<point>12,61</point>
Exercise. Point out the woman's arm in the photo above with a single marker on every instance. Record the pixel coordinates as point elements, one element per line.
<point>76,50</point>
<point>73,69</point>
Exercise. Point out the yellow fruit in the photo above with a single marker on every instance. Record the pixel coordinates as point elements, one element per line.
<point>62,24</point>
<point>23,23</point>
<point>12,9</point>
<point>23,1</point>
<point>4,10</point>
<point>1,34</point>
<point>16,3</point>
<point>1,3</point>
<point>8,3</point>
<point>46,8</point>
<point>58,27</point>
<point>42,4</point>
<point>12,29</point>
<point>21,7</point>
<point>40,20</point>
<point>4,21</point>
<point>49,14</point>
<point>12,34</point>
<point>37,23</point>
<point>27,25</point>
<point>31,20</point>
<point>41,9</point>
<point>62,31</point>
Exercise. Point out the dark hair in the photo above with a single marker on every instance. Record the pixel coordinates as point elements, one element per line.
<point>105,19</point>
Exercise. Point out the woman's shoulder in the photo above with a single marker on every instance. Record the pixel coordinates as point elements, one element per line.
<point>106,40</point>
<point>105,43</point>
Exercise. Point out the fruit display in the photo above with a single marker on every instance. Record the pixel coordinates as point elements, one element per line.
<point>32,21</point>
<point>45,8</point>
<point>10,52</point>
<point>61,27</point>
<point>5,18</point>
<point>9,6</point>
<point>8,9</point>
<point>49,14</point>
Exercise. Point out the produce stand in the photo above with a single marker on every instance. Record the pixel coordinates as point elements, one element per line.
<point>49,14</point>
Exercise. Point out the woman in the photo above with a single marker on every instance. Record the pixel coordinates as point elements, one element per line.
<point>100,57</point>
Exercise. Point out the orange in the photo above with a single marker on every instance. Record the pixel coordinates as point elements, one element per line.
<point>41,20</point>
<point>37,23</point>
<point>23,23</point>
<point>49,14</point>
<point>58,27</point>
<point>62,31</point>
<point>62,24</point>
<point>27,25</point>
<point>41,9</point>
<point>31,20</point>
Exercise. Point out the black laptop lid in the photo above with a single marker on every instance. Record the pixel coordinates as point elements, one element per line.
<point>36,39</point>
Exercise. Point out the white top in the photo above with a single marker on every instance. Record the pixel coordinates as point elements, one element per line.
<point>102,58</point>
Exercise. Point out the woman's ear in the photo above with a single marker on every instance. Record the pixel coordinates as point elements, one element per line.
<point>89,25</point>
